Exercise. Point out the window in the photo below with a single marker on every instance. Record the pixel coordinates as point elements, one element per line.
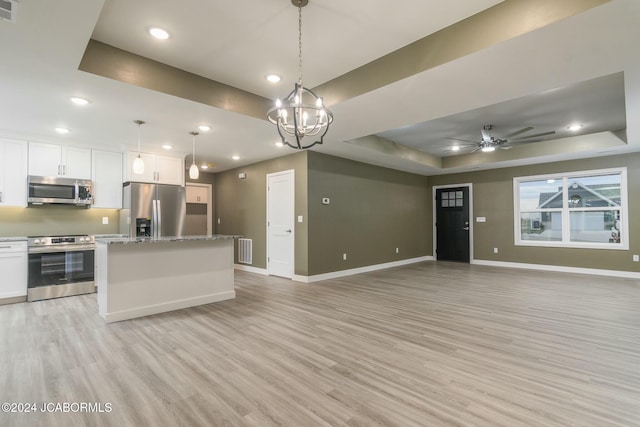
<point>579,209</point>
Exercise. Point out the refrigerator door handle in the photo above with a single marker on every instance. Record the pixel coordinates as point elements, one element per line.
<point>154,219</point>
<point>159,226</point>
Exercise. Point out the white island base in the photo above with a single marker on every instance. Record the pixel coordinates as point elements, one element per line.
<point>142,277</point>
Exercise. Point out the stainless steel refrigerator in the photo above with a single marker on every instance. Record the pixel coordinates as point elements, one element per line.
<point>152,210</point>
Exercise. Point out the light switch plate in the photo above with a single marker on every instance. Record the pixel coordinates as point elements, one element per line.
<point>299,218</point>
<point>105,220</point>
<point>481,219</point>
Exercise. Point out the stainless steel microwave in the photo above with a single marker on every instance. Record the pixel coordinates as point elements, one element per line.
<point>48,190</point>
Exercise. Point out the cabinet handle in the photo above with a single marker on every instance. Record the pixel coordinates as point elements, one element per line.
<point>59,171</point>
<point>1,194</point>
<point>64,169</point>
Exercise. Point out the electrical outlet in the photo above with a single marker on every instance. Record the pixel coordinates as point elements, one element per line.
<point>300,218</point>
<point>105,220</point>
<point>636,258</point>
<point>495,250</point>
<point>218,220</point>
<point>397,250</point>
<point>344,257</point>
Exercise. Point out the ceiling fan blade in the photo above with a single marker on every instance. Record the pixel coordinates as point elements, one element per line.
<point>518,132</point>
<point>526,141</point>
<point>463,140</point>
<point>538,134</point>
<point>506,147</point>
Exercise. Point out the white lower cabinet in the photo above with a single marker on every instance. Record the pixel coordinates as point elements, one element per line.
<point>13,269</point>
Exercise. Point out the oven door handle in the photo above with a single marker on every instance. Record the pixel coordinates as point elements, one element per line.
<point>50,250</point>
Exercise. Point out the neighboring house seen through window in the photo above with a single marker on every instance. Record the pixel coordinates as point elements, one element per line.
<point>580,209</point>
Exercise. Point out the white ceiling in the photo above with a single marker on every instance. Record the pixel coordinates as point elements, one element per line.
<point>239,42</point>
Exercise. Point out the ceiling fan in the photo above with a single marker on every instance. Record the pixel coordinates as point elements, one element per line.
<point>490,142</point>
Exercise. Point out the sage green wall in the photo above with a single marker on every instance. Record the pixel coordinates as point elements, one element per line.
<point>372,211</point>
<point>493,199</point>
<point>53,220</point>
<point>242,205</point>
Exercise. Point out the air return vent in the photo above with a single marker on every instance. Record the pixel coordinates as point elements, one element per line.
<point>245,251</point>
<point>8,10</point>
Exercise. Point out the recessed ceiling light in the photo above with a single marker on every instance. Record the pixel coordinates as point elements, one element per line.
<point>272,78</point>
<point>204,128</point>
<point>167,146</point>
<point>455,148</point>
<point>79,101</point>
<point>279,144</point>
<point>159,33</point>
<point>205,166</point>
<point>575,127</point>
<point>235,157</point>
<point>62,130</point>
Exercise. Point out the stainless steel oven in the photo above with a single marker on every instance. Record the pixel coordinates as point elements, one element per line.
<point>60,266</point>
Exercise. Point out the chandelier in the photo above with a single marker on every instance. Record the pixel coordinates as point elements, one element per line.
<point>301,118</point>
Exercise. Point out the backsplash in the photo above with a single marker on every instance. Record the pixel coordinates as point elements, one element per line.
<point>55,220</point>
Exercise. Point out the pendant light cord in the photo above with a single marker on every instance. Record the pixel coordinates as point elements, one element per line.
<point>193,160</point>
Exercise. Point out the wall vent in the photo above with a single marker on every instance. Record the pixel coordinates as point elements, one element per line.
<point>245,251</point>
<point>8,10</point>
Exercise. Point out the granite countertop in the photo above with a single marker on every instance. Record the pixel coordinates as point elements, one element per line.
<point>130,240</point>
<point>14,239</point>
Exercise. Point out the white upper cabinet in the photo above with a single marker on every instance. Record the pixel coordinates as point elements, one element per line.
<point>59,160</point>
<point>13,172</point>
<point>106,175</point>
<point>170,170</point>
<point>157,169</point>
<point>197,194</point>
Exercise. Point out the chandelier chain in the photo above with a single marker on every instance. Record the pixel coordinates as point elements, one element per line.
<point>300,44</point>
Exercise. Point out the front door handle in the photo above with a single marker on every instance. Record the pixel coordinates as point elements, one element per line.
<point>465,228</point>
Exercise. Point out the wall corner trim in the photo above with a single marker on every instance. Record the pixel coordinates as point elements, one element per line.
<point>262,271</point>
<point>358,270</point>
<point>559,268</point>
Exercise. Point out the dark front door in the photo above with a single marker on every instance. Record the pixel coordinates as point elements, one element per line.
<point>452,224</point>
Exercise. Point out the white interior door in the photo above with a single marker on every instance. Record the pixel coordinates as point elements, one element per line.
<point>280,224</point>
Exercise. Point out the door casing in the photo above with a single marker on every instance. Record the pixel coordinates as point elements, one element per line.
<point>471,217</point>
<point>291,173</point>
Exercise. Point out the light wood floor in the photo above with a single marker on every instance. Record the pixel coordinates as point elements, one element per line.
<point>433,344</point>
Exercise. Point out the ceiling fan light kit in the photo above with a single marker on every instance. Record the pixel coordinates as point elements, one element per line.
<point>301,114</point>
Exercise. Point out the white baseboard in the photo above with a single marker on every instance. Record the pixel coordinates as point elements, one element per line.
<point>262,271</point>
<point>165,307</point>
<point>352,271</point>
<point>559,268</point>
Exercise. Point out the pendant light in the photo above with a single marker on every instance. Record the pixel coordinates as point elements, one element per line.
<point>138,163</point>
<point>194,173</point>
<point>302,113</point>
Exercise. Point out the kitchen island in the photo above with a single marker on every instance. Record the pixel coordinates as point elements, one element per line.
<point>142,276</point>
